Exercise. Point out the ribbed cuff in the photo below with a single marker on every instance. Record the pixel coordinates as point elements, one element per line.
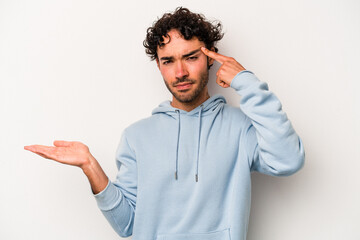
<point>243,79</point>
<point>108,198</point>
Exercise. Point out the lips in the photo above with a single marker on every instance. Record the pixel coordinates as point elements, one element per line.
<point>183,86</point>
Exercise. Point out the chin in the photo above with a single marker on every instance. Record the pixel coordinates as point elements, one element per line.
<point>186,98</point>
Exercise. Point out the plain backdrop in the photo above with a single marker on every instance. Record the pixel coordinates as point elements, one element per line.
<point>77,70</point>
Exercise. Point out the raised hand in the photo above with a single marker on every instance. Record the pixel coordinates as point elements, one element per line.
<point>228,69</point>
<point>66,152</point>
<point>75,154</point>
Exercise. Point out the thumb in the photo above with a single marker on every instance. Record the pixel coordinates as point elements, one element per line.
<point>61,143</point>
<point>222,83</point>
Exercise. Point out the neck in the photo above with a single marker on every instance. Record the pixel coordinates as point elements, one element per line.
<point>190,105</point>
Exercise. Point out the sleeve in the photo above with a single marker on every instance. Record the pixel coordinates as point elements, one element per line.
<point>272,145</point>
<point>117,201</point>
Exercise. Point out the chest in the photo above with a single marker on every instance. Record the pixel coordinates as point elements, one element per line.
<point>208,149</point>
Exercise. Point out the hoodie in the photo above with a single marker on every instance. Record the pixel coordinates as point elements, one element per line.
<point>187,175</point>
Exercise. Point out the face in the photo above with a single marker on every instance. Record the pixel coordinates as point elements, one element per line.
<point>184,67</point>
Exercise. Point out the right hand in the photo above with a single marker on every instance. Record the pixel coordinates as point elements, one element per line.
<point>66,152</point>
<point>228,70</point>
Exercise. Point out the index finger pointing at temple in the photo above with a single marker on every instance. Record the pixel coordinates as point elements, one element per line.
<point>218,57</point>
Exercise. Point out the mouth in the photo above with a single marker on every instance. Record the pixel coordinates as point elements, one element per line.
<point>183,86</point>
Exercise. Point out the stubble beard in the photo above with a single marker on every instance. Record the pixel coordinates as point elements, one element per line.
<point>188,98</point>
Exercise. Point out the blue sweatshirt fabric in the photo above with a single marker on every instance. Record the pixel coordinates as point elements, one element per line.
<point>187,175</point>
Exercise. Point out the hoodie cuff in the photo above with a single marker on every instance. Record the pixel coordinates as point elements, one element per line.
<point>243,79</point>
<point>108,198</point>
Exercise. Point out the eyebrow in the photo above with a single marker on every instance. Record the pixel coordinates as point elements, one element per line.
<point>183,56</point>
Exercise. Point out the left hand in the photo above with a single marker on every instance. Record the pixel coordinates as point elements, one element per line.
<point>228,69</point>
<point>67,152</point>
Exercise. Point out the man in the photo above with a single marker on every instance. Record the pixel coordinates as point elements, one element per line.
<point>184,172</point>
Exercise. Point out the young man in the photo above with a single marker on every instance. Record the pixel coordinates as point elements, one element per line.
<point>184,172</point>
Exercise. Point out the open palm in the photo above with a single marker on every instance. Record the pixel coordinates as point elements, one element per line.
<point>66,152</point>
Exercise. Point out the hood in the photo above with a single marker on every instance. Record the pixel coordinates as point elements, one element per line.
<point>211,106</point>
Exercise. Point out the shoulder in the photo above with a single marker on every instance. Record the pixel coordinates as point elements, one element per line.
<point>234,113</point>
<point>143,126</point>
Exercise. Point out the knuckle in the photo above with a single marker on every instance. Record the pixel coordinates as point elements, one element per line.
<point>229,60</point>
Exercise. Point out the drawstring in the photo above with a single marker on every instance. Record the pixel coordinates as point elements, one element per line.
<point>177,145</point>
<point>198,146</point>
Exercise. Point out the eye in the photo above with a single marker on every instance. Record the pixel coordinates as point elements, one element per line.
<point>166,62</point>
<point>193,58</point>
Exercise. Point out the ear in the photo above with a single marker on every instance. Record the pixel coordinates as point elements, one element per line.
<point>157,63</point>
<point>211,60</point>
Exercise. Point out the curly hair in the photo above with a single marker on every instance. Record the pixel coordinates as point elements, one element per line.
<point>189,24</point>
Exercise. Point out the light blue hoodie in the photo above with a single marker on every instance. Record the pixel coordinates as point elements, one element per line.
<point>186,175</point>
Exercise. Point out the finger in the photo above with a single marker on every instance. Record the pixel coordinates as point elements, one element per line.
<point>61,143</point>
<point>221,83</point>
<point>224,85</point>
<point>40,149</point>
<point>31,148</point>
<point>34,150</point>
<point>218,81</point>
<point>218,57</point>
<point>43,155</point>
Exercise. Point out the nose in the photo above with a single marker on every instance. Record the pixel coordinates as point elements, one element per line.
<point>181,70</point>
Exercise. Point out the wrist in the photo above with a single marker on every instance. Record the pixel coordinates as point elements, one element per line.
<point>89,165</point>
<point>96,176</point>
<point>242,79</point>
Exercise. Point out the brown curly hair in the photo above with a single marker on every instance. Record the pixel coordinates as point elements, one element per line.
<point>189,24</point>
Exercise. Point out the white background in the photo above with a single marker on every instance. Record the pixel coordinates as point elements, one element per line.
<point>77,70</point>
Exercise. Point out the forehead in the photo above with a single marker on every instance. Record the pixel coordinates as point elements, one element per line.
<point>177,46</point>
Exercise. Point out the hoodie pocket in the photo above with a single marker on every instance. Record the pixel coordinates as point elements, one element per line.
<point>214,235</point>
